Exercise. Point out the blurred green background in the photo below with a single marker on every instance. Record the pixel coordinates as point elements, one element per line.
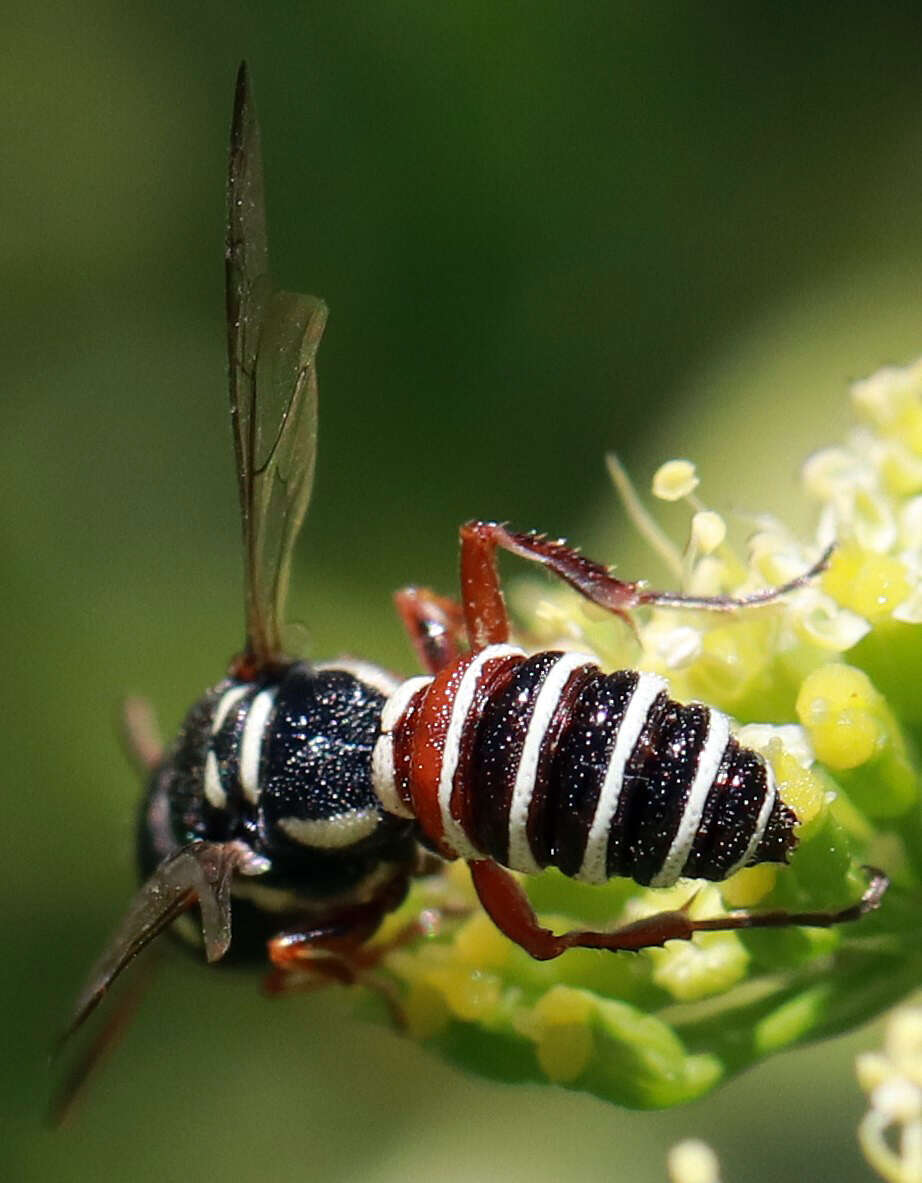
<point>544,230</point>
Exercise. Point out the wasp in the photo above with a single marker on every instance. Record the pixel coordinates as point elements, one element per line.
<point>297,798</point>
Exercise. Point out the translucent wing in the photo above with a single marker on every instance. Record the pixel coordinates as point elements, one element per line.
<point>72,1087</point>
<point>272,340</point>
<point>199,873</point>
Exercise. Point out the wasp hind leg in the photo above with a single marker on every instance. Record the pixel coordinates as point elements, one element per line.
<point>508,907</point>
<point>482,596</point>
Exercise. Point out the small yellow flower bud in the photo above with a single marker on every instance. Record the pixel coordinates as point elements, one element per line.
<point>901,469</point>
<point>840,709</point>
<point>910,524</point>
<point>872,585</point>
<point>834,470</point>
<point>897,1100</point>
<point>469,994</point>
<point>708,531</point>
<point>563,1034</point>
<point>674,480</point>
<point>693,1161</point>
<point>903,1042</point>
<point>715,962</point>
<point>872,1069</point>
<point>479,943</point>
<point>747,887</point>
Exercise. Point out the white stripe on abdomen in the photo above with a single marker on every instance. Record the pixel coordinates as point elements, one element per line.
<point>648,688</point>
<point>520,857</point>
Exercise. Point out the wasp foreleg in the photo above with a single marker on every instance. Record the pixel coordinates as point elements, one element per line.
<point>434,624</point>
<point>334,954</point>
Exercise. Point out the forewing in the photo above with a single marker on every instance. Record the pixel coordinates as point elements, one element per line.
<point>72,1086</point>
<point>286,445</point>
<point>272,344</point>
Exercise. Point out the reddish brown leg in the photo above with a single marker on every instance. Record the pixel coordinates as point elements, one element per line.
<point>508,907</point>
<point>339,950</point>
<point>339,938</point>
<point>482,597</point>
<point>301,962</point>
<point>314,958</point>
<point>141,734</point>
<point>334,950</point>
<point>313,968</point>
<point>434,624</point>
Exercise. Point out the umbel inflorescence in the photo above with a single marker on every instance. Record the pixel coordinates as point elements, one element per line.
<point>823,684</point>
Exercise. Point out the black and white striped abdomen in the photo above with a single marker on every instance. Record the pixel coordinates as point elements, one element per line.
<point>547,761</point>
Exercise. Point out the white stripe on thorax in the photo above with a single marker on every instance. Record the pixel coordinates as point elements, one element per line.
<point>771,793</point>
<point>383,772</point>
<point>709,761</point>
<point>214,789</point>
<point>229,699</point>
<point>252,741</point>
<point>593,868</point>
<point>463,700</point>
<point>520,857</point>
